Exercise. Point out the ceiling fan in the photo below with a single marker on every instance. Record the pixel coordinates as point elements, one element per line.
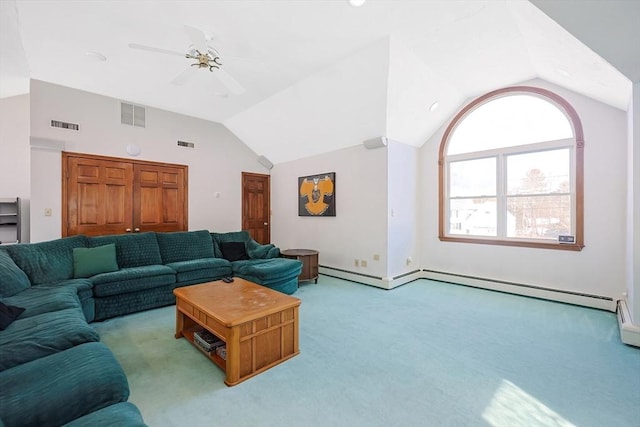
<point>205,56</point>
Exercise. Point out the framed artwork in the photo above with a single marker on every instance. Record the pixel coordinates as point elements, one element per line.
<point>317,195</point>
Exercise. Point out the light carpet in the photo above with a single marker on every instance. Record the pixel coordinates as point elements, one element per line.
<point>424,354</point>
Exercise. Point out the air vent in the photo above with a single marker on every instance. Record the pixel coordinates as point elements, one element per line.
<point>186,144</point>
<point>132,115</point>
<point>64,125</point>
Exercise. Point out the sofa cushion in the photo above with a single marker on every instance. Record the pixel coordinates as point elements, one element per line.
<point>8,313</point>
<point>234,251</point>
<point>47,261</point>
<point>132,280</point>
<point>267,270</point>
<point>123,414</point>
<point>84,289</point>
<point>39,336</point>
<point>59,388</point>
<point>45,299</point>
<point>12,279</point>
<point>257,251</point>
<point>200,264</point>
<point>88,262</point>
<point>185,245</point>
<point>132,250</point>
<point>201,270</point>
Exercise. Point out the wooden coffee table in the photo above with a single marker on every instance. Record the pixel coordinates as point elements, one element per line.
<point>258,325</point>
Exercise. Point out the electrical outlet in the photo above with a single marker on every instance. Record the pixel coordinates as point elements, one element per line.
<point>409,260</point>
<point>356,263</point>
<point>363,263</point>
<point>376,257</point>
<point>48,212</point>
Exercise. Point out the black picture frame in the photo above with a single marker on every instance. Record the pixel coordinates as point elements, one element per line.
<point>317,195</point>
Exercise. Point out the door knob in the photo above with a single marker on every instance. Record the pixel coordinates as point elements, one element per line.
<point>266,223</point>
<point>136,230</point>
<point>128,230</point>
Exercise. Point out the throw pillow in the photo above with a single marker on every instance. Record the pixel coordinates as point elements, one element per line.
<point>8,313</point>
<point>233,251</point>
<point>88,262</point>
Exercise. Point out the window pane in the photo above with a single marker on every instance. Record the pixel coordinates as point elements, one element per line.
<point>539,217</point>
<point>472,178</point>
<point>539,173</point>
<point>473,217</point>
<point>507,122</point>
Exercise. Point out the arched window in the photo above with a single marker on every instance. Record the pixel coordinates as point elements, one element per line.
<point>511,172</point>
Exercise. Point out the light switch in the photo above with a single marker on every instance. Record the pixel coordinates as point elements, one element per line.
<point>47,212</point>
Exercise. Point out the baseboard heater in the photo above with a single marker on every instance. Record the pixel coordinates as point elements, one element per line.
<point>356,273</point>
<point>629,333</point>
<point>370,279</point>
<point>572,297</point>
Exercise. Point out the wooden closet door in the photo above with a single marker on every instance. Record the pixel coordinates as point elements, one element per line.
<point>159,198</point>
<point>98,197</point>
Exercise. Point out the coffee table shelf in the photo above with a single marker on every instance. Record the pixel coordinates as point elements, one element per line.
<point>258,325</point>
<point>213,356</point>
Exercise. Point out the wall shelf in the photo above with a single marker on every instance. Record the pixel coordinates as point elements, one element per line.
<point>10,221</point>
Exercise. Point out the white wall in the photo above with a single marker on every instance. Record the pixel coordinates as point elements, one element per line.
<point>359,229</point>
<point>403,215</point>
<point>633,208</point>
<point>600,267</point>
<point>14,154</point>
<point>215,165</point>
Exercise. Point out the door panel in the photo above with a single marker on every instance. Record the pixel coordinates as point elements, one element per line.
<point>98,197</point>
<point>160,198</point>
<point>256,206</point>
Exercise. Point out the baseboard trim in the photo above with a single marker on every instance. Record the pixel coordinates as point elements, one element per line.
<point>629,333</point>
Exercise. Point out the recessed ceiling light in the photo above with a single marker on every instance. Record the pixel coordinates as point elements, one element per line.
<point>356,3</point>
<point>434,106</point>
<point>96,56</point>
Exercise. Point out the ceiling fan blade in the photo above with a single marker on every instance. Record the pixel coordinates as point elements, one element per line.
<point>231,83</point>
<point>197,37</point>
<point>155,49</point>
<point>183,77</point>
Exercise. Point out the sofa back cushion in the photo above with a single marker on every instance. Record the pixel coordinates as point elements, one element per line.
<point>47,262</point>
<point>185,246</point>
<point>132,250</point>
<point>12,279</point>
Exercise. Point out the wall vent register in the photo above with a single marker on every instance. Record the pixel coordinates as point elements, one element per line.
<point>133,115</point>
<point>65,125</point>
<point>186,144</point>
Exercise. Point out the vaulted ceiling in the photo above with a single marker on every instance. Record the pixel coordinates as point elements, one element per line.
<point>318,75</point>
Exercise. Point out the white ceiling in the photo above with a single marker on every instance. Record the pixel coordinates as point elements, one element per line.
<point>296,57</point>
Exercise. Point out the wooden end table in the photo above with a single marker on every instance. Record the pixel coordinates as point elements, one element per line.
<point>309,258</point>
<point>258,325</point>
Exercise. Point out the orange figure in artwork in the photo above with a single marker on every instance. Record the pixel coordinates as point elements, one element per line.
<point>314,190</point>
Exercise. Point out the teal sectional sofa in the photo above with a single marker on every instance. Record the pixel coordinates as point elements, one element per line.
<point>53,368</point>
